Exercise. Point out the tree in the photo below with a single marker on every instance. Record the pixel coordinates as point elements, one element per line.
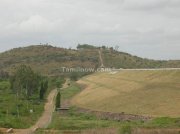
<point>58,100</point>
<point>103,47</point>
<point>25,81</point>
<point>46,85</point>
<point>41,92</point>
<point>43,89</point>
<point>86,46</point>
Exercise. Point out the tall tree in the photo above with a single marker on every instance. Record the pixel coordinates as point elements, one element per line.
<point>25,81</point>
<point>43,89</point>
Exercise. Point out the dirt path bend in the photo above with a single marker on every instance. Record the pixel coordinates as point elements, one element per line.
<point>46,117</point>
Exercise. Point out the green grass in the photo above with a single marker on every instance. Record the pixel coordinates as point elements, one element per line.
<point>10,105</point>
<point>69,92</point>
<point>163,122</point>
<point>74,121</point>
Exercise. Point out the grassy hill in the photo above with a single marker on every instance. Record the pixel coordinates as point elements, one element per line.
<point>48,60</point>
<point>152,93</point>
<point>124,60</point>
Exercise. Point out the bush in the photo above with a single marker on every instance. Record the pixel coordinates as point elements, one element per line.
<point>58,100</point>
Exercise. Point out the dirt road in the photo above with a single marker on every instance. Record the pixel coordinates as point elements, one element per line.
<point>100,57</point>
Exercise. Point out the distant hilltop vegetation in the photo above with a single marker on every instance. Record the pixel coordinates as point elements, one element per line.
<point>48,60</point>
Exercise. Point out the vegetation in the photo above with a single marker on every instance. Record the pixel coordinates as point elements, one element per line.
<point>69,92</point>
<point>43,89</point>
<point>79,121</point>
<point>16,112</point>
<point>24,81</point>
<point>59,82</point>
<point>19,98</point>
<point>75,121</point>
<point>149,93</point>
<point>58,100</point>
<point>48,60</point>
<point>23,90</point>
<point>86,46</point>
<point>4,75</point>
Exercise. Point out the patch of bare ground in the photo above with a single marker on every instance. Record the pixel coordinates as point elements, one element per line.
<point>3,130</point>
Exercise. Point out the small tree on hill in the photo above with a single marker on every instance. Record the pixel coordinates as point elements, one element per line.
<point>58,100</point>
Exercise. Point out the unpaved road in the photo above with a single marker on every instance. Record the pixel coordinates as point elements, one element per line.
<point>100,57</point>
<point>46,117</point>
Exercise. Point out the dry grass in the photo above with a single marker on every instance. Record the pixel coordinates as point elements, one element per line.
<point>152,93</point>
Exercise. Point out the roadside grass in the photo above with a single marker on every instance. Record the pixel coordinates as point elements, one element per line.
<point>16,113</point>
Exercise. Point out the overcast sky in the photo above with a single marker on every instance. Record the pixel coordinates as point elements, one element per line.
<point>147,28</point>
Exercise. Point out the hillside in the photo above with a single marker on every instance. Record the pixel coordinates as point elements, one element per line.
<point>149,93</point>
<point>124,60</point>
<point>49,60</point>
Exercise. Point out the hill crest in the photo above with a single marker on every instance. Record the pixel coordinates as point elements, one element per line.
<point>48,59</point>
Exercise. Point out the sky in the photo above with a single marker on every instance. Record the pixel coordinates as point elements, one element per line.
<point>146,28</point>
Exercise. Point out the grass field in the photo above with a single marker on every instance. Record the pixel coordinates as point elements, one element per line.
<point>152,93</point>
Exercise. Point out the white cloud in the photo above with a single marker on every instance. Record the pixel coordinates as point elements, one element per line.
<point>35,23</point>
<point>146,5</point>
<point>136,25</point>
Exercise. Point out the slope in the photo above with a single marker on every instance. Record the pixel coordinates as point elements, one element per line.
<point>152,93</point>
